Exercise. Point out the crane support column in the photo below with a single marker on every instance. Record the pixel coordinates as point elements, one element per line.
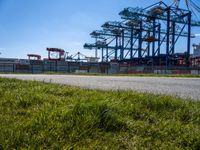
<point>173,36</point>
<point>140,42</point>
<point>122,47</point>
<point>116,48</point>
<point>159,38</point>
<point>168,35</point>
<point>102,57</point>
<point>154,37</point>
<point>131,53</point>
<point>189,38</point>
<point>107,53</point>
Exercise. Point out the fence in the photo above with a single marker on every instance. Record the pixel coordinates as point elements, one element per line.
<point>36,67</point>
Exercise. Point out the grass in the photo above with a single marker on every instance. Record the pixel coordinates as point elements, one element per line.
<point>36,115</point>
<point>129,75</point>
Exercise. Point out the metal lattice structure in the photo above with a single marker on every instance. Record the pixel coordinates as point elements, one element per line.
<point>55,54</point>
<point>146,35</point>
<point>34,57</point>
<point>190,4</point>
<point>78,57</point>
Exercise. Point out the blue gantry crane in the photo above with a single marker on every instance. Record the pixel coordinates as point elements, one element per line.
<point>146,35</point>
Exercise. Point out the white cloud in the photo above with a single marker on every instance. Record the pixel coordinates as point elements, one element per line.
<point>197,34</point>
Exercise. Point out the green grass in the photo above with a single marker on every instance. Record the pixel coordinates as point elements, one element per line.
<point>35,115</point>
<point>129,75</point>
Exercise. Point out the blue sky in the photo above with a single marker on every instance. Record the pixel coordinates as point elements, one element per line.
<point>29,26</point>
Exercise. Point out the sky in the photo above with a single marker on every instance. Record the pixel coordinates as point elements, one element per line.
<point>30,26</point>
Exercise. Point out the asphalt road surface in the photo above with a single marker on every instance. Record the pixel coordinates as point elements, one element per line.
<point>181,87</point>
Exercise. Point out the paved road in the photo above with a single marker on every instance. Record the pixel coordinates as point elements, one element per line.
<point>182,87</point>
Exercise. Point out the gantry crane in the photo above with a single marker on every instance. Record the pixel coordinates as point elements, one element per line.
<point>146,35</point>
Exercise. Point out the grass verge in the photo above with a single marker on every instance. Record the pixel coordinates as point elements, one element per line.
<point>129,75</point>
<point>36,115</point>
<point>126,75</point>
